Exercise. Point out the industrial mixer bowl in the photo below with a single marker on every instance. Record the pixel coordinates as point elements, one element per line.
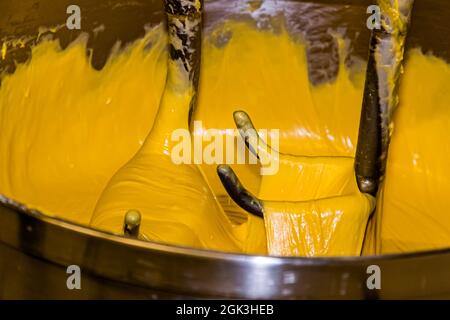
<point>36,250</point>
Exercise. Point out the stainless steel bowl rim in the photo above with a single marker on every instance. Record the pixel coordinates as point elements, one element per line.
<point>193,252</point>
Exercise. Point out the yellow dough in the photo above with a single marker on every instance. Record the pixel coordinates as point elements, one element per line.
<point>315,208</point>
<point>273,87</point>
<point>176,202</point>
<point>416,207</point>
<point>67,129</point>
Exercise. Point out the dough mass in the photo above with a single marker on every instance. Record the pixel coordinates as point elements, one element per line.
<point>74,144</point>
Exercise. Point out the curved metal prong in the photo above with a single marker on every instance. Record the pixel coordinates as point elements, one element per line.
<point>368,150</point>
<point>381,94</point>
<point>132,223</point>
<point>252,140</point>
<point>238,193</point>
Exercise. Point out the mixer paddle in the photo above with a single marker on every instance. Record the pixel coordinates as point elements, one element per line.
<point>132,223</point>
<point>380,93</point>
<point>244,198</point>
<point>251,138</point>
<point>316,199</point>
<point>379,101</point>
<point>368,150</point>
